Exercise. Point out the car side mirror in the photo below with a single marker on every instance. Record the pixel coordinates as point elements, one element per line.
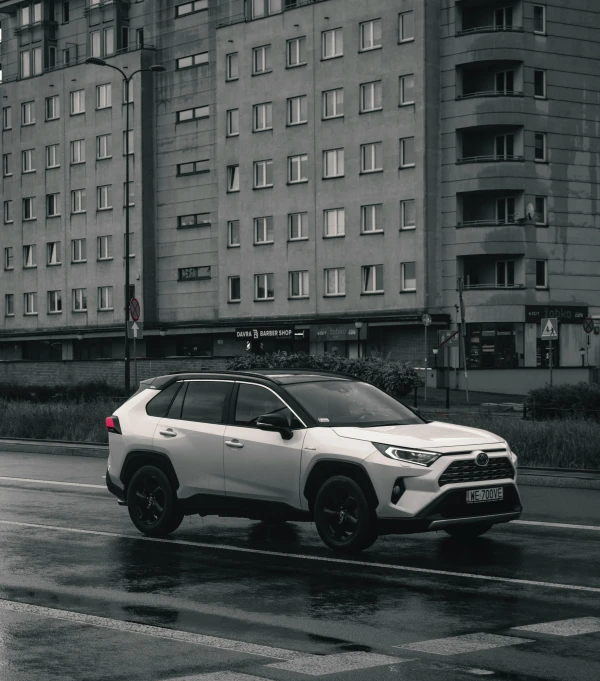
<point>275,422</point>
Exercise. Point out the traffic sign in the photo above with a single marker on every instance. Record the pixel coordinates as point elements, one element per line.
<point>549,328</point>
<point>426,319</point>
<point>588,325</point>
<point>135,309</point>
<point>135,330</point>
<point>448,338</point>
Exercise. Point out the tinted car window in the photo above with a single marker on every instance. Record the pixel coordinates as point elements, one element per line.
<point>158,405</point>
<point>206,401</point>
<point>254,401</point>
<point>175,408</point>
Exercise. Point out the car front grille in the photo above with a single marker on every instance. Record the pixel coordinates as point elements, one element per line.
<point>468,471</point>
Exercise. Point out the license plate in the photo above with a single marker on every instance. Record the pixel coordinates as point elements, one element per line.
<point>476,496</point>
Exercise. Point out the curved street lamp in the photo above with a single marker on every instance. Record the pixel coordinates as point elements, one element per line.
<point>94,61</point>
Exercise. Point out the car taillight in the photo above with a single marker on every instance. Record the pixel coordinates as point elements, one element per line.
<point>113,425</point>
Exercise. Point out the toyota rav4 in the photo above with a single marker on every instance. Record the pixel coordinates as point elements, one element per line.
<point>277,445</point>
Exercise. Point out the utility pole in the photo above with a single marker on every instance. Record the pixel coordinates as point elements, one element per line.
<point>464,334</point>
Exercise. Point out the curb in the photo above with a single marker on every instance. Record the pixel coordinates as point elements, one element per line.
<point>573,482</point>
<point>57,448</point>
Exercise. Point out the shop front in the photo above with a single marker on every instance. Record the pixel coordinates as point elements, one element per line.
<point>495,345</point>
<point>346,340</point>
<point>267,339</point>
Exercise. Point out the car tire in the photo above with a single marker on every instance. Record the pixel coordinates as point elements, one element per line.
<point>344,519</point>
<point>467,532</point>
<point>152,504</point>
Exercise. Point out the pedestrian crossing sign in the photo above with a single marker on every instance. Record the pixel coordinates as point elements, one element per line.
<point>550,328</point>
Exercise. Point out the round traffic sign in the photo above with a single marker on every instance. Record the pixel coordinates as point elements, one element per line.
<point>426,319</point>
<point>588,325</point>
<point>134,309</point>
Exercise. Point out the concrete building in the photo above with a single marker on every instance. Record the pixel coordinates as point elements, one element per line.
<point>307,175</point>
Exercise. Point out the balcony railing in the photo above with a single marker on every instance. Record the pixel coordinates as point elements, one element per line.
<point>490,29</point>
<point>491,223</point>
<point>287,5</point>
<point>488,159</point>
<point>492,286</point>
<point>491,93</point>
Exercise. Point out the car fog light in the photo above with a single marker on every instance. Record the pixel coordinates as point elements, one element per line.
<point>398,490</point>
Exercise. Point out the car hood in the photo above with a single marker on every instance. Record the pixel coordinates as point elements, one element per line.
<point>429,436</point>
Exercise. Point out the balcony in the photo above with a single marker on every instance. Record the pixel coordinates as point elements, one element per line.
<point>490,79</point>
<point>265,9</point>
<point>496,144</point>
<point>490,209</point>
<point>477,16</point>
<point>496,272</point>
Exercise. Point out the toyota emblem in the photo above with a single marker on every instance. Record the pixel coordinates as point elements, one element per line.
<point>482,459</point>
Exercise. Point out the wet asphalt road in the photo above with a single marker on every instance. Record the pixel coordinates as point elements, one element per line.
<point>84,596</point>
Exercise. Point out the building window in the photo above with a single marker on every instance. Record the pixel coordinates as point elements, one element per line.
<point>334,222</point>
<point>539,19</point>
<point>408,276</point>
<point>7,118</point>
<point>505,210</point>
<point>406,27</point>
<point>335,281</point>
<point>296,52</point>
<point>262,117</point>
<point>8,211</point>
<point>9,305</point>
<point>128,193</point>
<point>54,302</point>
<point>103,147</point>
<point>541,274</point>
<point>27,161</point>
<point>261,59</point>
<point>233,122</point>
<point>333,163</point>
<point>371,97</point>
<point>263,174</point>
<point>232,69</point>
<point>105,301</point>
<point>53,253</point>
<point>233,178</point>
<point>128,92</point>
<point>29,256</point>
<point>407,152</point>
<point>196,220</point>
<point>78,201</point>
<point>65,12</point>
<point>541,210</point>
<point>79,300</point>
<point>297,110</point>
<point>31,62</point>
<point>52,108</point>
<point>78,250</point>
<point>28,113</point>
<point>371,157</point>
<point>6,165</point>
<point>263,287</point>
<point>407,89</point>
<point>51,55</point>
<point>29,208</point>
<point>193,168</point>
<point>95,44</point>
<point>263,230</point>
<point>298,226</point>
<point>52,160</point>
<point>233,233</point>
<point>539,84</point>
<point>540,146</point>
<point>299,284</point>
<point>333,103</point>
<point>370,35</point>
<point>9,259</point>
<point>191,7</point>
<point>371,218</point>
<point>235,290</point>
<point>103,96</point>
<point>505,82</point>
<point>52,205</point>
<point>298,168</point>
<point>372,278</point>
<point>30,303</point>
<point>193,114</point>
<point>407,214</point>
<point>78,151</point>
<point>104,197</point>
<point>128,143</point>
<point>192,60</point>
<point>194,273</point>
<point>77,102</point>
<point>332,43</point>
<point>505,273</point>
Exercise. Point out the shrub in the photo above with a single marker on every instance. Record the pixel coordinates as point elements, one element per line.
<point>393,377</point>
<point>80,392</point>
<point>564,401</point>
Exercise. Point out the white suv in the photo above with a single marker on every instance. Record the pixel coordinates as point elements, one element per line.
<point>279,445</point>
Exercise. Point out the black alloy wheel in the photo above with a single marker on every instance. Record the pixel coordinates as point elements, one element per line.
<point>151,503</point>
<point>343,517</point>
<point>467,532</point>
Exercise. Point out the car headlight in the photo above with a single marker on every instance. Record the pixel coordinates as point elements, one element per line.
<point>409,455</point>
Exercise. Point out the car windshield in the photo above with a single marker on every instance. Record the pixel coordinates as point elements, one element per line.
<point>351,403</point>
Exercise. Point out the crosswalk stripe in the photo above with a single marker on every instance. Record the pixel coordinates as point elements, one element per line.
<point>570,627</point>
<point>319,665</point>
<point>467,643</point>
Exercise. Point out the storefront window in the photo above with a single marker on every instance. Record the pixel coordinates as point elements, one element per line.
<point>494,345</point>
<point>542,355</point>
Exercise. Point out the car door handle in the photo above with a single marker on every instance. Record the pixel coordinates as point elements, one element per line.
<point>234,444</point>
<point>169,432</point>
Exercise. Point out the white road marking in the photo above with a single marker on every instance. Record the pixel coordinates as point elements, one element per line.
<point>219,676</point>
<point>54,482</point>
<point>316,559</point>
<point>467,643</point>
<point>565,526</point>
<point>158,632</point>
<point>570,627</point>
<point>319,665</point>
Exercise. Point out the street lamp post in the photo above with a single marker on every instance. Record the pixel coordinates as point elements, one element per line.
<point>358,326</point>
<point>126,80</point>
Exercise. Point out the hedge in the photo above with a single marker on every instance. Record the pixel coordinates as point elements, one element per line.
<point>80,392</point>
<point>564,401</point>
<point>393,377</point>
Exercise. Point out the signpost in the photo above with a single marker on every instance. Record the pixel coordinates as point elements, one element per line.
<point>448,339</point>
<point>589,327</point>
<point>426,319</point>
<point>550,332</point>
<point>135,330</point>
